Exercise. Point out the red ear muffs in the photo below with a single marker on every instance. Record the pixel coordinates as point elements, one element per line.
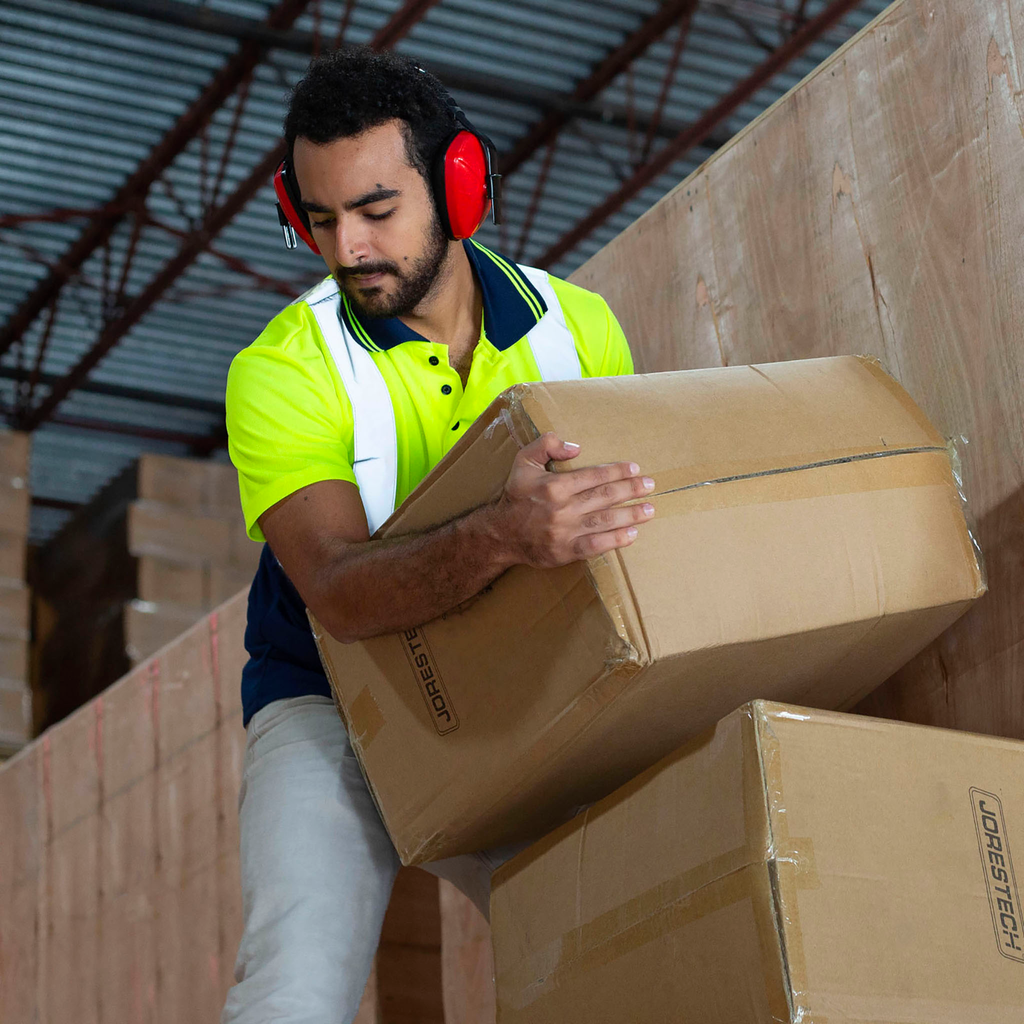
<point>289,210</point>
<point>465,187</point>
<point>461,185</point>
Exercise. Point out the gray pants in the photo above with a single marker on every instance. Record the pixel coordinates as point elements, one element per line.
<point>317,868</point>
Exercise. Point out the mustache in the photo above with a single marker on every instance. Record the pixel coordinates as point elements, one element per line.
<point>364,270</point>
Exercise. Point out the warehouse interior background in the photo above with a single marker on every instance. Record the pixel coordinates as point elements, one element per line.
<point>871,220</point>
<point>139,245</point>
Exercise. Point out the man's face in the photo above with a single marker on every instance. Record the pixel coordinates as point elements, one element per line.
<point>372,218</point>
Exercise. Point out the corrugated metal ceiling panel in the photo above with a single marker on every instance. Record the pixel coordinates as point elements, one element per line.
<point>86,92</point>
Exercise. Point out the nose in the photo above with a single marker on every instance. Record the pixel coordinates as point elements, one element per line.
<point>352,245</point>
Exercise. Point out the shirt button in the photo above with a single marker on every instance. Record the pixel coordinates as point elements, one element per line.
<point>446,389</point>
<point>434,360</point>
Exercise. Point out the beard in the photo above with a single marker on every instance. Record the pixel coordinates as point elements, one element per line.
<point>375,303</point>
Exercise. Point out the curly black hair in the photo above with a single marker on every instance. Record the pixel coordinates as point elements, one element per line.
<point>345,92</point>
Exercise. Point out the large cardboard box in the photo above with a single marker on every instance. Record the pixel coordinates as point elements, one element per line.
<point>809,540</point>
<point>791,865</point>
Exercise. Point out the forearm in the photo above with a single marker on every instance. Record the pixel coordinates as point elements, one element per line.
<point>385,586</point>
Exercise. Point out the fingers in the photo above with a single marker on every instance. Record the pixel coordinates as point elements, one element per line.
<point>608,520</point>
<point>594,478</point>
<point>609,494</point>
<point>549,447</point>
<point>593,544</point>
<point>602,486</point>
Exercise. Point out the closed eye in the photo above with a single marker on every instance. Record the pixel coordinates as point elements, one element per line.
<point>380,216</point>
<point>323,223</point>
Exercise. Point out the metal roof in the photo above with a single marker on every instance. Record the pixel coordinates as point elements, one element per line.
<point>88,89</point>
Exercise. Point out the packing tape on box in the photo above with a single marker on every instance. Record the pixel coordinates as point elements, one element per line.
<point>855,473</point>
<point>365,719</point>
<point>791,860</point>
<point>660,911</point>
<point>522,428</point>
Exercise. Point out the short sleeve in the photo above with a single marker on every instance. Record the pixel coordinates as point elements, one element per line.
<point>289,422</point>
<point>600,342</point>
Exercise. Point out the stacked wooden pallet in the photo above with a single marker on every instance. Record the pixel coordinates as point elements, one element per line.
<point>186,530</point>
<point>15,695</point>
<point>149,556</point>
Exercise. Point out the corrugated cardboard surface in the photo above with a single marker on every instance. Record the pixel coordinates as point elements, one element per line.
<point>809,540</point>
<point>791,865</point>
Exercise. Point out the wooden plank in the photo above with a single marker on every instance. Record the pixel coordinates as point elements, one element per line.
<point>409,956</point>
<point>12,555</point>
<point>129,969</point>
<point>15,447</point>
<point>71,785</point>
<point>197,485</point>
<point>14,614</point>
<point>70,985</point>
<point>149,626</point>
<point>187,801</point>
<point>128,972</point>
<point>161,580</point>
<point>227,657</point>
<point>879,209</point>
<point>467,960</point>
<point>22,868</point>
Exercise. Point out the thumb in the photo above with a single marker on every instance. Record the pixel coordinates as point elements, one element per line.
<point>549,448</point>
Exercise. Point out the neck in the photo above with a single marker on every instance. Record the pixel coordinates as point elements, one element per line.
<point>450,313</point>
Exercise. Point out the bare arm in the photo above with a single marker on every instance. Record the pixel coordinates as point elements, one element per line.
<point>360,588</point>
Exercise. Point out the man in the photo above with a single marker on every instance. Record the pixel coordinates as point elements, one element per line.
<point>446,325</point>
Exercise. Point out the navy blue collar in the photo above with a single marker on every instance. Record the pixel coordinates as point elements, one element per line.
<point>512,306</point>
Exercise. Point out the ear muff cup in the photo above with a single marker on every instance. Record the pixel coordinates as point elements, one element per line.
<point>459,179</point>
<point>286,189</point>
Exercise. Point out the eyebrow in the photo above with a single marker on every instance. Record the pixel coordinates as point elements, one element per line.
<point>373,196</point>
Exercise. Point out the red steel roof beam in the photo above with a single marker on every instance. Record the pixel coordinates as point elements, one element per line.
<point>139,431</point>
<point>697,133</point>
<point>401,23</point>
<point>667,15</point>
<point>160,158</point>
